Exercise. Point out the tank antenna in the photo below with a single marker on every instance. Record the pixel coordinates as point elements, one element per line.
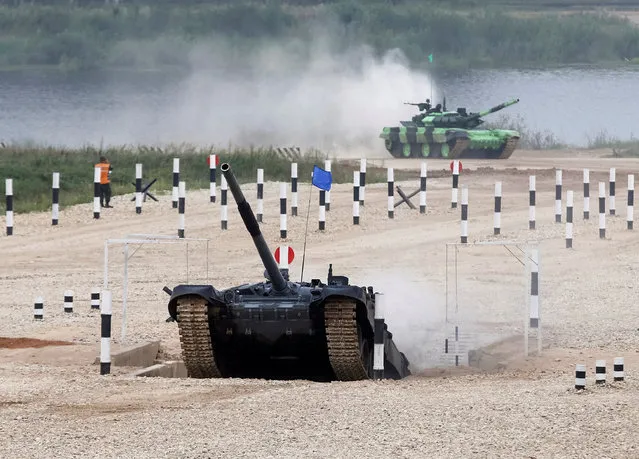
<point>308,210</point>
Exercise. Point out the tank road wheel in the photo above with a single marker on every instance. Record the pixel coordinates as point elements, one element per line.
<point>195,337</point>
<point>343,340</point>
<point>396,149</point>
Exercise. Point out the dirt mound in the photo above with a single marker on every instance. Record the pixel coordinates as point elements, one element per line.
<point>19,343</point>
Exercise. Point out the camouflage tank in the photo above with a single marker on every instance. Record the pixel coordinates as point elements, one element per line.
<point>280,329</point>
<point>438,133</point>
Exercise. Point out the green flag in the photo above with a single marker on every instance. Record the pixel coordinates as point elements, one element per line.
<point>430,57</point>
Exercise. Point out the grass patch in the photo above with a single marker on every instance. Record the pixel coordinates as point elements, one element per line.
<point>620,148</point>
<point>31,168</point>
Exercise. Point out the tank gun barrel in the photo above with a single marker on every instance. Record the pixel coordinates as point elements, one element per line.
<point>279,283</point>
<point>497,108</point>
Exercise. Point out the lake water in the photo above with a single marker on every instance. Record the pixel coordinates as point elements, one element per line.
<point>152,108</point>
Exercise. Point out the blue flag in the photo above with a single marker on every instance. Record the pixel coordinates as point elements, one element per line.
<point>322,179</point>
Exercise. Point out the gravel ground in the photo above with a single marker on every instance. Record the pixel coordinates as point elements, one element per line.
<point>53,403</point>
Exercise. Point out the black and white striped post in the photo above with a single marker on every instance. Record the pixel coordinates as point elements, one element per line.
<point>327,167</point>
<point>55,198</point>
<point>600,372</point>
<point>294,189</point>
<point>68,301</point>
<point>586,194</point>
<point>322,210</point>
<point>602,210</point>
<point>617,370</point>
<point>611,198</point>
<point>580,376</point>
<point>95,298</point>
<point>532,198</point>
<point>224,203</point>
<point>534,288</point>
<point>558,183</point>
<point>497,219</point>
<point>422,188</point>
<point>38,308</point>
<point>212,177</point>
<point>378,337</point>
<point>105,333</point>
<point>355,198</point>
<point>181,208</point>
<point>96,193</point>
<point>8,191</point>
<point>260,194</point>
<point>569,212</point>
<point>176,182</point>
<point>362,180</point>
<point>453,200</point>
<point>283,212</point>
<point>138,188</point>
<point>631,201</point>
<point>464,214</point>
<point>391,192</point>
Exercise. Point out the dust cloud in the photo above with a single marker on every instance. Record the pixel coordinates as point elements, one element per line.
<point>291,93</point>
<point>415,314</point>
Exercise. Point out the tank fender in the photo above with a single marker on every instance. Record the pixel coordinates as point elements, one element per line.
<point>359,295</point>
<point>208,292</point>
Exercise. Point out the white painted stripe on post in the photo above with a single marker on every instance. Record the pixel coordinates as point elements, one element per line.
<point>105,332</point>
<point>38,308</point>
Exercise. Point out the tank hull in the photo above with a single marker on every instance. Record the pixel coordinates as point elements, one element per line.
<point>453,143</point>
<point>320,333</point>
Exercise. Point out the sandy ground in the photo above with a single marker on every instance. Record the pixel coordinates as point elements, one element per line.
<point>54,403</point>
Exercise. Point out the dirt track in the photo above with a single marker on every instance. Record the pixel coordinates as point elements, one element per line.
<point>54,403</point>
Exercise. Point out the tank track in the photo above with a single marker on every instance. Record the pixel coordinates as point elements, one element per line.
<point>343,341</point>
<point>461,145</point>
<point>195,338</point>
<point>511,144</point>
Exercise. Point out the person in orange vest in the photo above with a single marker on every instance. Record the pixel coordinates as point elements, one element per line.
<point>105,181</point>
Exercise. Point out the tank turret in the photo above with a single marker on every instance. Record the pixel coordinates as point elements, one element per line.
<point>250,222</point>
<point>460,119</point>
